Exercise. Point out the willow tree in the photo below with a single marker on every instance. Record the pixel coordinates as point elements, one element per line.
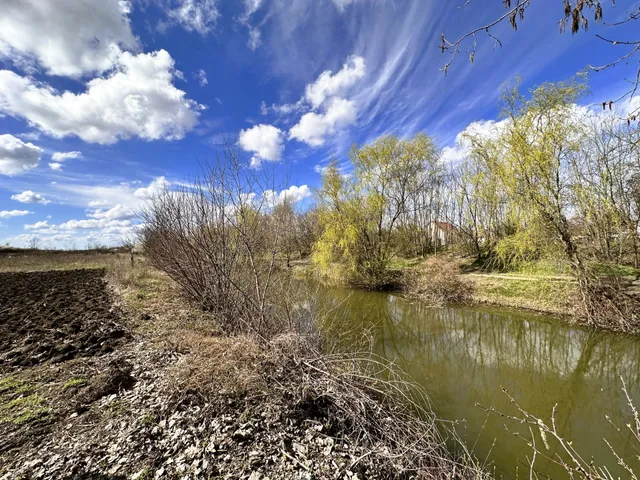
<point>360,212</point>
<point>536,140</point>
<point>540,138</point>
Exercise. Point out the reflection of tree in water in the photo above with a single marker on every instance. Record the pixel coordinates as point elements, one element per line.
<point>464,355</point>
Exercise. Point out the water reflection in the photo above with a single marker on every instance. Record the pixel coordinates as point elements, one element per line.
<point>464,356</point>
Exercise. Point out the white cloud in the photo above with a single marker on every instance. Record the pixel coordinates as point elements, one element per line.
<point>137,99</point>
<point>104,224</point>
<point>108,196</point>
<point>313,128</point>
<point>81,36</point>
<point>293,194</point>
<point>482,128</point>
<point>329,111</point>
<point>62,156</point>
<point>254,38</point>
<point>29,197</point>
<point>156,187</point>
<point>38,225</point>
<point>17,157</point>
<point>196,15</point>
<point>55,166</point>
<point>329,85</point>
<point>265,141</point>
<point>201,76</point>
<point>119,212</point>
<point>31,136</point>
<point>13,213</point>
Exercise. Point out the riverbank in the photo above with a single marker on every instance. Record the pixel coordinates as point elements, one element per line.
<point>542,288</point>
<point>177,398</point>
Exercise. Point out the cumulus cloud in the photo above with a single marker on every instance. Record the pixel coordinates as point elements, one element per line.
<point>38,225</point>
<point>55,166</point>
<point>327,109</point>
<point>119,212</point>
<point>29,197</point>
<point>16,156</point>
<point>4,214</point>
<point>62,156</point>
<point>293,194</point>
<point>313,128</point>
<point>195,15</point>
<point>137,99</point>
<point>330,85</point>
<point>156,187</point>
<point>85,224</point>
<point>482,128</point>
<point>81,36</point>
<point>265,141</point>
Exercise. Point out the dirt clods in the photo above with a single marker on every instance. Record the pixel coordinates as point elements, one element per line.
<point>55,316</point>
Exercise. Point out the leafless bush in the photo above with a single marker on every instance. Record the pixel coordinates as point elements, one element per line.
<point>438,281</point>
<point>604,303</point>
<point>217,240</point>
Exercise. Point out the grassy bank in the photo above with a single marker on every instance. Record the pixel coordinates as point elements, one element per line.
<point>181,399</point>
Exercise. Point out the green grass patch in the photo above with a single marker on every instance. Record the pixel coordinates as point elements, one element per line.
<point>14,387</point>
<point>24,409</point>
<point>539,294</point>
<point>543,268</point>
<point>613,269</point>
<point>74,383</point>
<point>402,263</point>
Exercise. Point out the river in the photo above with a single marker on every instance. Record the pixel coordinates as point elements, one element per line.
<point>464,356</point>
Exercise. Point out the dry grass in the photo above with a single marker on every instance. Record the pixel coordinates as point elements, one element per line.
<point>438,281</point>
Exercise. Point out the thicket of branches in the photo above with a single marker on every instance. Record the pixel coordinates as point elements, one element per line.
<point>221,239</point>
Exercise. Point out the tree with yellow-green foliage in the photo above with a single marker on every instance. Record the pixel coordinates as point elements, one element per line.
<point>539,137</point>
<point>359,212</point>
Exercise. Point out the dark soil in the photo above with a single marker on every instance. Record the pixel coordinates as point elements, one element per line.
<point>55,316</point>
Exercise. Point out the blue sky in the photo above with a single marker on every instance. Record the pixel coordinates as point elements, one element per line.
<point>105,102</point>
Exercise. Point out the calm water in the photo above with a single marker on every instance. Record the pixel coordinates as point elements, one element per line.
<point>464,356</point>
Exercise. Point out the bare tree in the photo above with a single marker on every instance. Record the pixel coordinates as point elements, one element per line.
<point>215,239</point>
<point>34,243</point>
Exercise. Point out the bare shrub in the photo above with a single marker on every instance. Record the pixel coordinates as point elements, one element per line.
<point>218,240</point>
<point>603,303</point>
<point>438,281</point>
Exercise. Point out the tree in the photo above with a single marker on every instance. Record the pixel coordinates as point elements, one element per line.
<point>540,136</point>
<point>540,139</point>
<point>34,242</point>
<point>285,224</point>
<point>359,213</point>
